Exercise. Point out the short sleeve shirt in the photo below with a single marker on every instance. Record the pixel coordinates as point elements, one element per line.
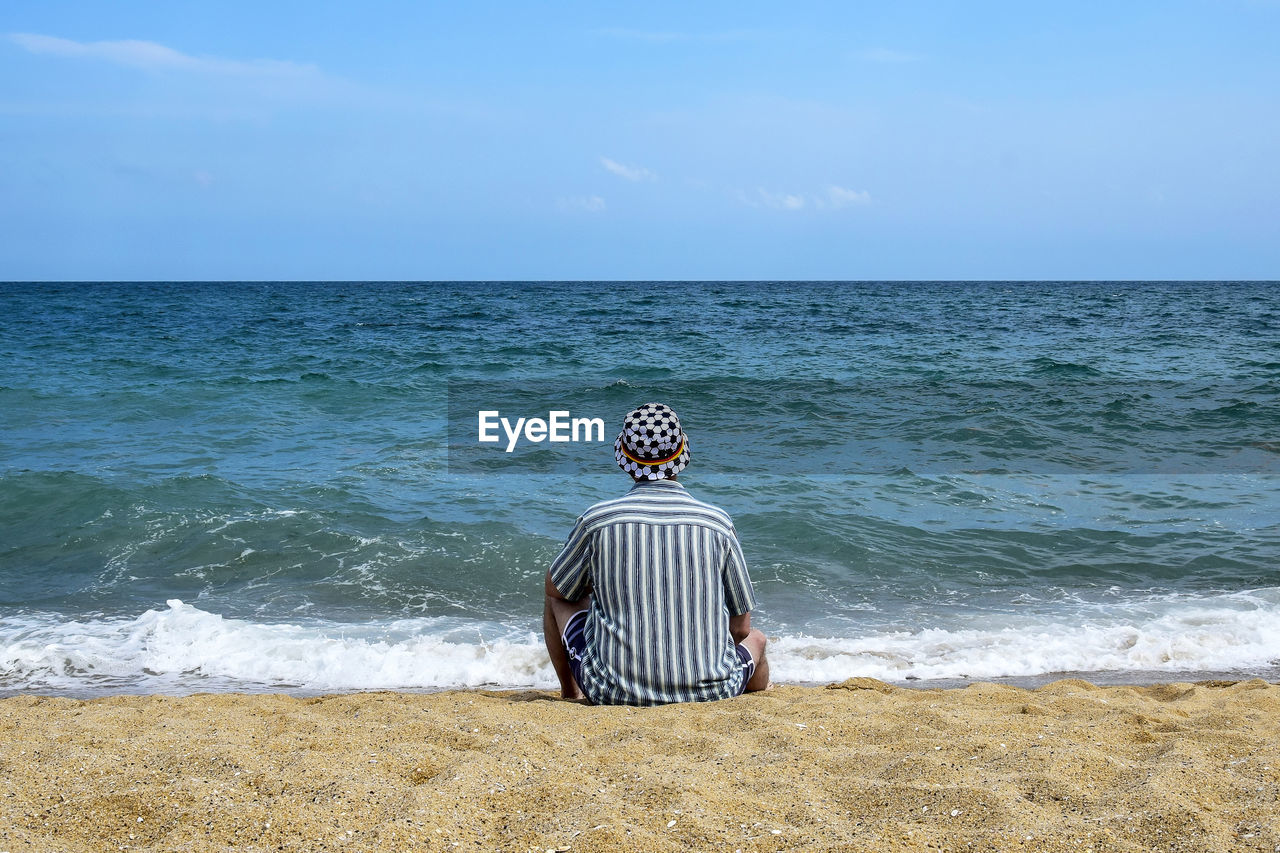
<point>666,572</point>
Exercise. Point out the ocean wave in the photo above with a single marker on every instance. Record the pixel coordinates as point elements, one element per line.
<point>1235,632</point>
<point>183,649</point>
<point>1046,366</point>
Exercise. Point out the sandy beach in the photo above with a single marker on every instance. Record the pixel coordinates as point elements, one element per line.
<point>855,766</point>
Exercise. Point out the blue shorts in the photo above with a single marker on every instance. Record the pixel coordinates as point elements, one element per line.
<point>575,643</point>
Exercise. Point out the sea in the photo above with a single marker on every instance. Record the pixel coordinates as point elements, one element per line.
<point>260,486</point>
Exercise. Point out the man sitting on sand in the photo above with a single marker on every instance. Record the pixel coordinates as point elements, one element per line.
<point>649,602</point>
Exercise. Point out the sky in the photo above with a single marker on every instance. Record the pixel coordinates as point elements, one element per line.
<point>566,141</point>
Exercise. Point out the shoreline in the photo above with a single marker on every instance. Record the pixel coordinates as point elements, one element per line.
<point>859,765</point>
<point>1099,678</point>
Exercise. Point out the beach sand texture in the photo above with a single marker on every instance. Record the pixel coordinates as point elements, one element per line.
<point>855,766</point>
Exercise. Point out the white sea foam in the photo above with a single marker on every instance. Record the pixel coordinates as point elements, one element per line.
<point>182,649</point>
<point>185,648</point>
<point>1236,632</point>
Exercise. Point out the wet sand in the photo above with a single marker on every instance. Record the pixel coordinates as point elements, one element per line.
<point>855,766</point>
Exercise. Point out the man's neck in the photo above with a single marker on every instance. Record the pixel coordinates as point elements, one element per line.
<point>669,481</point>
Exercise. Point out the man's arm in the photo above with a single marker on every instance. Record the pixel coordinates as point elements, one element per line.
<point>740,595</point>
<point>555,615</point>
<point>571,570</point>
<point>754,642</point>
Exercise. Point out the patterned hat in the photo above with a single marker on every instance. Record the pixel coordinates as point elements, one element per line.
<point>651,445</point>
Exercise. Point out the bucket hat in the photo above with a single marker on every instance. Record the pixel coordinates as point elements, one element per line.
<point>652,446</point>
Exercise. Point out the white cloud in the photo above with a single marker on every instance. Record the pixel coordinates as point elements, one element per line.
<point>631,173</point>
<point>150,56</point>
<point>782,201</point>
<point>588,203</point>
<point>840,197</point>
<point>833,199</point>
<point>883,54</point>
<point>776,200</point>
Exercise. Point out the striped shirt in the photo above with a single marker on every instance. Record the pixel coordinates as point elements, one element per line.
<point>665,572</point>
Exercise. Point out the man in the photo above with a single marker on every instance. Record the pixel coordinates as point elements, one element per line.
<point>649,602</point>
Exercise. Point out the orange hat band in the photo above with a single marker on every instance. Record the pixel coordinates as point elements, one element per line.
<point>622,447</point>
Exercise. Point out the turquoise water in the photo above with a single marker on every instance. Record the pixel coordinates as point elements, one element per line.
<point>263,486</point>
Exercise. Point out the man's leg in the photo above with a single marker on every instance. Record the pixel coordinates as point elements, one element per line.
<point>555,615</point>
<point>755,642</point>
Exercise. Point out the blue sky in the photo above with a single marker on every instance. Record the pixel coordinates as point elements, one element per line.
<point>485,140</point>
